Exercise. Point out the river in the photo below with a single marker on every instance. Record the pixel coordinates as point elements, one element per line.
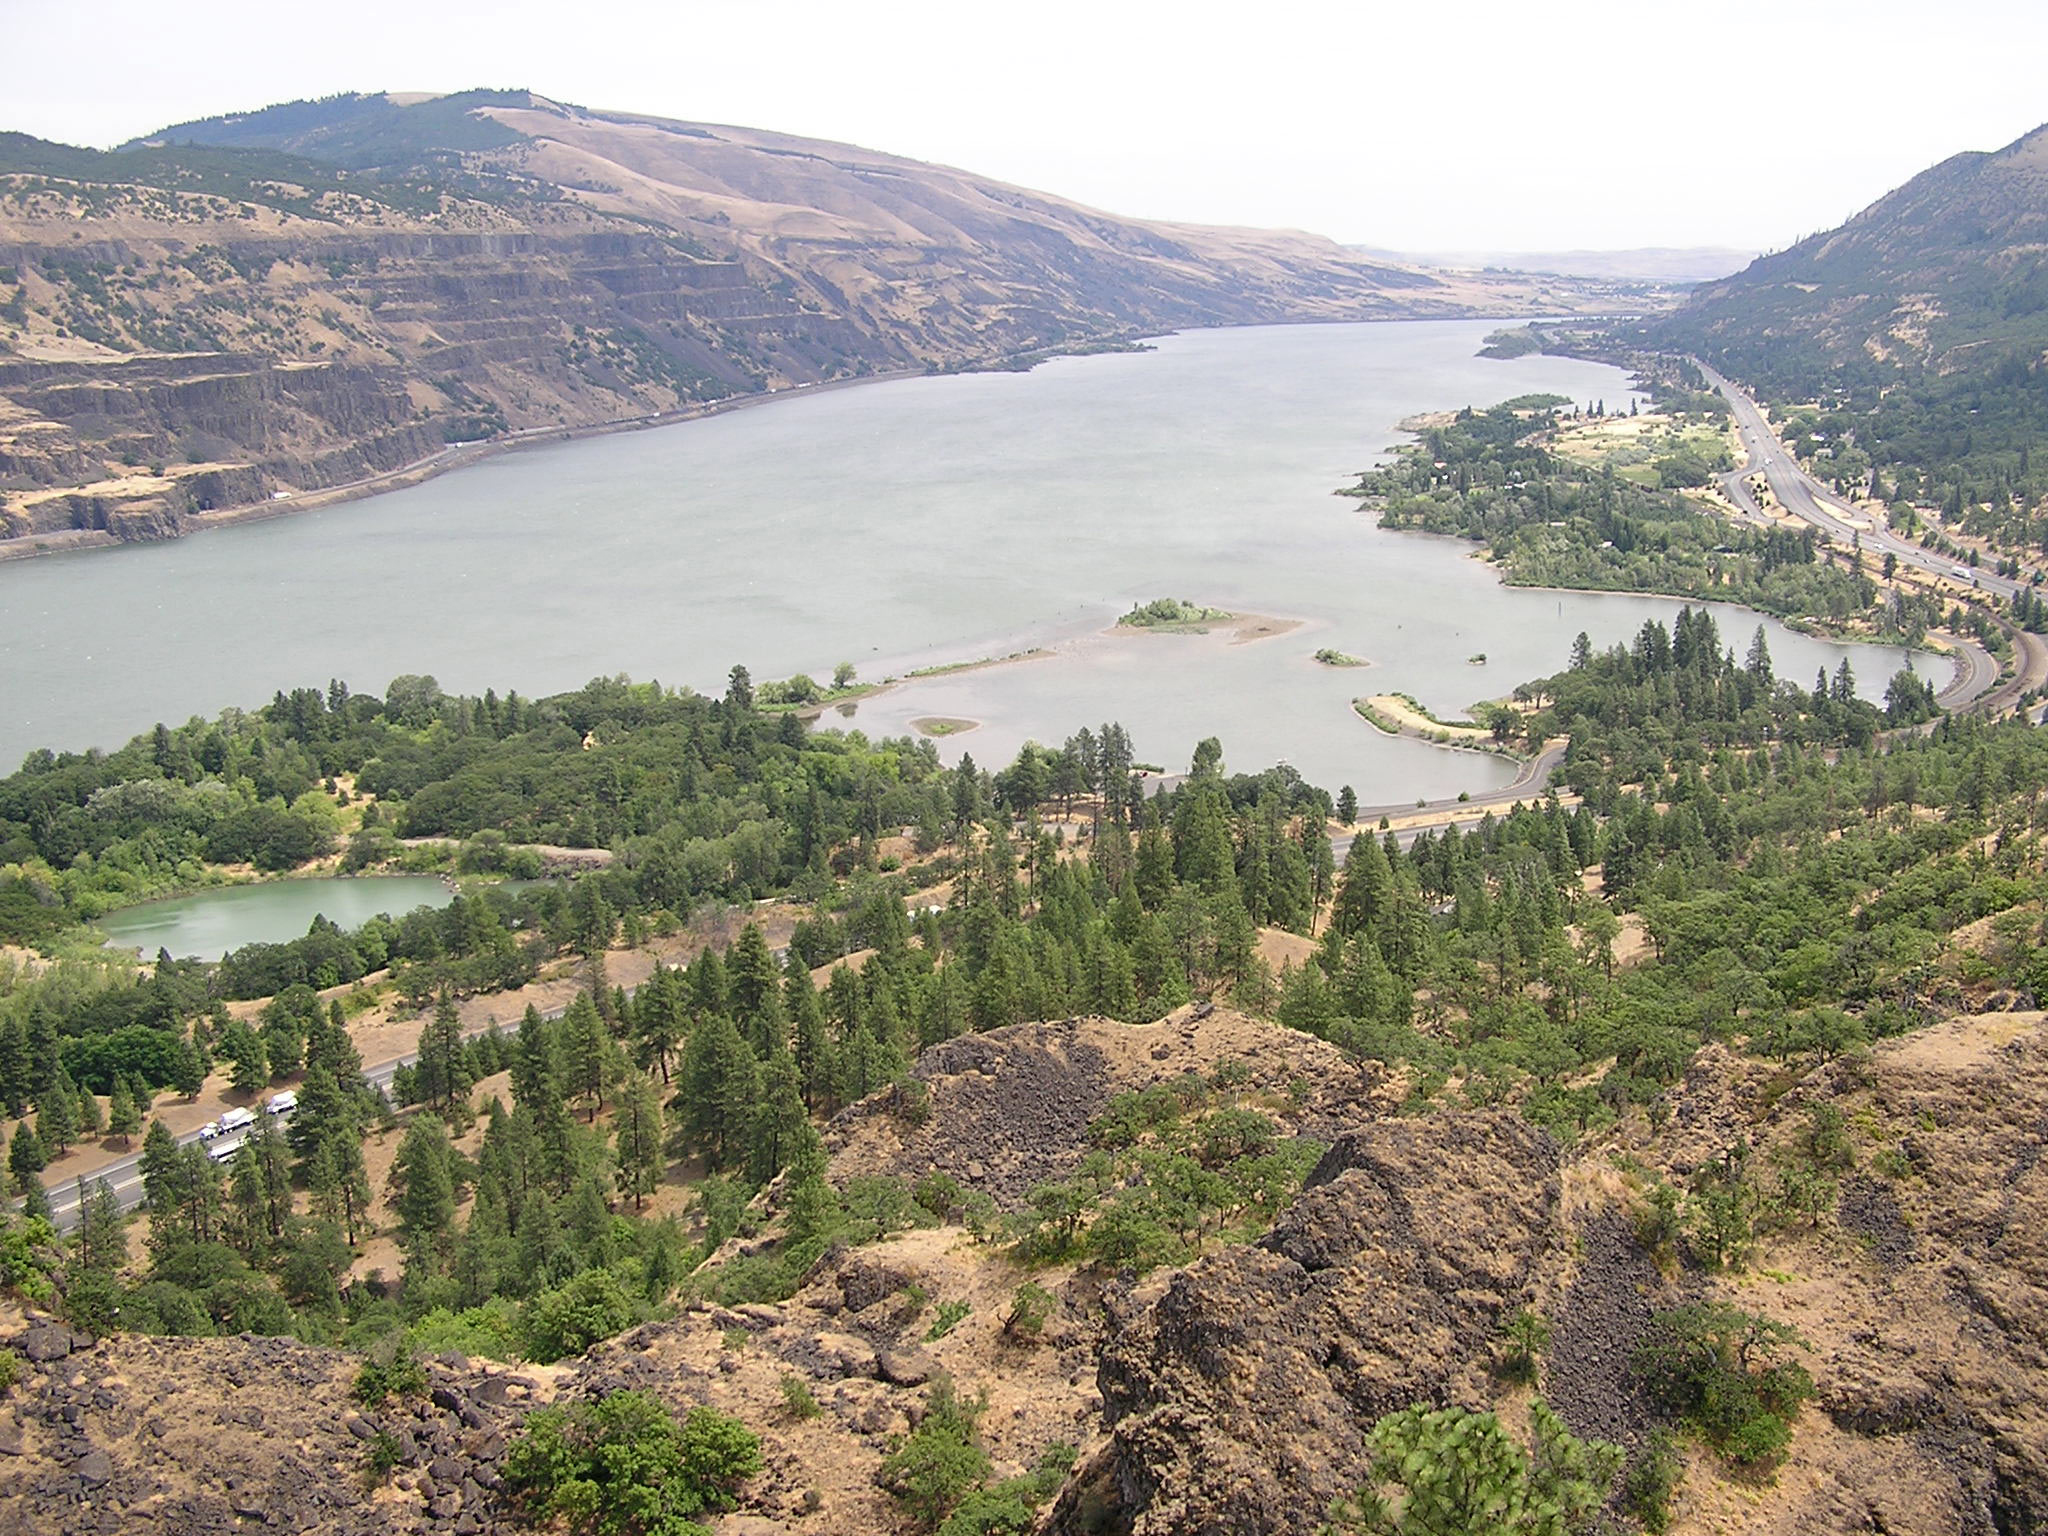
<point>894,525</point>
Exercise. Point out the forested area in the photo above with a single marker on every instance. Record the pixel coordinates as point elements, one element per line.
<point>1794,889</point>
<point>1550,522</point>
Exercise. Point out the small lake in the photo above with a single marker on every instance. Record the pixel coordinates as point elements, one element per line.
<point>894,525</point>
<point>211,923</point>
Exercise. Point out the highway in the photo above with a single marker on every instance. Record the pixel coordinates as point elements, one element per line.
<point>1976,688</point>
<point>124,1176</point>
<point>1811,502</point>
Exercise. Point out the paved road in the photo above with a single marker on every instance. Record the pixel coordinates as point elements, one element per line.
<point>1811,502</point>
<point>124,1176</point>
<point>1528,785</point>
<point>1976,689</point>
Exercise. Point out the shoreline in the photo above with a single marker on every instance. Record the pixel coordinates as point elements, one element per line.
<point>462,455</point>
<point>419,471</point>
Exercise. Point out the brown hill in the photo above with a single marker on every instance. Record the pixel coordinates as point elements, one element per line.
<point>315,295</point>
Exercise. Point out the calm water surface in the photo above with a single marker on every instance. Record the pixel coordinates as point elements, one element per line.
<point>893,525</point>
<point>211,923</point>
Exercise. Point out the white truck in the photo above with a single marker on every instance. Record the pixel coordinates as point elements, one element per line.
<point>236,1120</point>
<point>282,1103</point>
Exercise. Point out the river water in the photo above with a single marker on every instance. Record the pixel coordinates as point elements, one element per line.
<point>894,525</point>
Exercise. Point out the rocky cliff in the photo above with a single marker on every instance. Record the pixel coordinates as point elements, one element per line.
<point>1231,1395</point>
<point>254,307</point>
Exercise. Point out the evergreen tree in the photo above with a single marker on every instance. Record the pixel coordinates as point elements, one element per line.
<point>57,1115</point>
<point>124,1117</point>
<point>754,990</point>
<point>778,1117</point>
<point>90,1121</point>
<point>441,1073</point>
<point>26,1158</point>
<point>586,1053</point>
<point>720,1088</point>
<point>423,1194</point>
<point>636,1122</point>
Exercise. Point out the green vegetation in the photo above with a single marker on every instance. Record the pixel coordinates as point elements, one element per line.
<point>624,1466</point>
<point>1725,1373</point>
<point>940,1473</point>
<point>1335,658</point>
<point>1172,613</point>
<point>1452,1470</point>
<point>1488,476</point>
<point>797,1400</point>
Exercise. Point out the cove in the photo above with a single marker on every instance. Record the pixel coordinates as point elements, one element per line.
<point>210,923</point>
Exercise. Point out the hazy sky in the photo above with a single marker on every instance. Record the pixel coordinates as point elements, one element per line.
<point>1477,125</point>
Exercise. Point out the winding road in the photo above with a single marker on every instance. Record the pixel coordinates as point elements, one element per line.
<point>1976,688</point>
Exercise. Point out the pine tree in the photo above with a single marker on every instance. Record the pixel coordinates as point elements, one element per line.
<point>90,1121</point>
<point>57,1115</point>
<point>124,1116</point>
<point>442,1074</point>
<point>719,1093</point>
<point>249,1064</point>
<point>26,1158</point>
<point>660,1017</point>
<point>586,1053</point>
<point>536,1071</point>
<point>188,1071</point>
<point>423,1193</point>
<point>754,989</point>
<point>101,1245</point>
<point>636,1121</point>
<point>777,1117</point>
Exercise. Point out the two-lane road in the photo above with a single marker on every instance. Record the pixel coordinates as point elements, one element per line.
<point>124,1175</point>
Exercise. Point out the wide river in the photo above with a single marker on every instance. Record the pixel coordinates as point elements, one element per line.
<point>893,525</point>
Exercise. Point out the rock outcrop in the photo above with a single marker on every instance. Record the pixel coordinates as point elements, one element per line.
<point>1238,1401</point>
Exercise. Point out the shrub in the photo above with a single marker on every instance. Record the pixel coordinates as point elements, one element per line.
<point>1523,1340</point>
<point>1030,1308</point>
<point>948,1317</point>
<point>1723,1371</point>
<point>400,1376</point>
<point>572,1317</point>
<point>1455,1470</point>
<point>623,1466</point>
<point>1651,1479</point>
<point>797,1400</point>
<point>941,1461</point>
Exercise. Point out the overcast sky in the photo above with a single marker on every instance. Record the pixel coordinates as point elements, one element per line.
<point>1451,126</point>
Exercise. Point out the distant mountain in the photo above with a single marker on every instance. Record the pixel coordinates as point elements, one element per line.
<point>324,291</point>
<point>1659,264</point>
<point>1948,274</point>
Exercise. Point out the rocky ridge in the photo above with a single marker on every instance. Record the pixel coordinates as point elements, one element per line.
<point>1233,1394</point>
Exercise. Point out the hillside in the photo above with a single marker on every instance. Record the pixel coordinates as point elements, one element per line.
<point>1949,273</point>
<point>251,307</point>
<point>1232,1393</point>
<point>1907,351</point>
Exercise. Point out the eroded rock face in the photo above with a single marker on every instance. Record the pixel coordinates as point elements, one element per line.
<point>1239,1401</point>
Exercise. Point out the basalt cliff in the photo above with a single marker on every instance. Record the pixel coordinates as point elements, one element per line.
<point>256,308</point>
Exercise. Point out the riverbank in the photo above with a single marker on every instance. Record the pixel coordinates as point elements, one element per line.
<point>454,456</point>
